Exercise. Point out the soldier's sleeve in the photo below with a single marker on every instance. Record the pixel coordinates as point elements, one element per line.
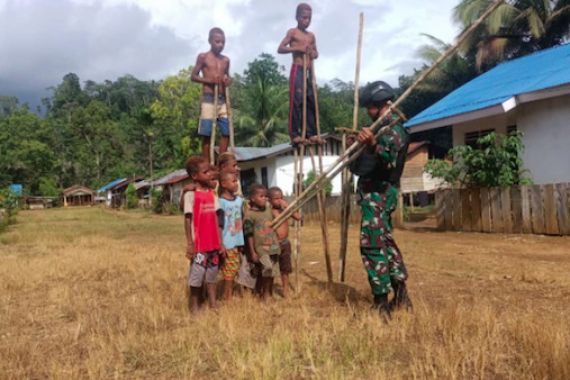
<point>389,144</point>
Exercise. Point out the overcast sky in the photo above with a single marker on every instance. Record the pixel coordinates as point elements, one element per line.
<point>42,40</point>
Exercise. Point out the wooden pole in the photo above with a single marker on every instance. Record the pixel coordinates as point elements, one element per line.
<point>230,119</point>
<point>214,124</point>
<point>323,195</point>
<point>297,223</point>
<point>346,174</point>
<point>376,127</point>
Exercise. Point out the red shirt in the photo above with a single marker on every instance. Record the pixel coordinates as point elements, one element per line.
<point>203,206</point>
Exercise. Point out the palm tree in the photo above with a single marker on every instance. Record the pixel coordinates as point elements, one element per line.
<point>262,122</point>
<point>515,29</point>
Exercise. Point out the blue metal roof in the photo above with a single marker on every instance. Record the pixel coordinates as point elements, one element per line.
<point>539,71</point>
<point>110,184</point>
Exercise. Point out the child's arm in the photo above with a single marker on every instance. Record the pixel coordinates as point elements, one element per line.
<point>313,53</point>
<point>285,45</point>
<point>227,79</point>
<point>200,64</point>
<point>251,247</point>
<point>190,251</point>
<point>221,221</point>
<point>296,215</point>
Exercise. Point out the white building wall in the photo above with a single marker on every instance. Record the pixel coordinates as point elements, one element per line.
<point>284,175</point>
<point>498,123</point>
<point>545,125</point>
<point>546,128</point>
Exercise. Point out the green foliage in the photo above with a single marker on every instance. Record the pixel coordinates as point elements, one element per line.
<point>515,29</point>
<point>9,203</point>
<point>156,200</point>
<point>311,178</point>
<point>496,162</point>
<point>48,187</point>
<point>132,198</point>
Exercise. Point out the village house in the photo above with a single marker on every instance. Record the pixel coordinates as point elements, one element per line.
<point>415,182</point>
<point>78,195</point>
<point>529,94</point>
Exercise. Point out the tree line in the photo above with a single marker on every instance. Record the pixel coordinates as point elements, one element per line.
<point>91,133</point>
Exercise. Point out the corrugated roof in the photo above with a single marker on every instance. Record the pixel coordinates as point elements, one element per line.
<point>539,71</point>
<point>178,174</point>
<point>110,185</point>
<point>251,153</point>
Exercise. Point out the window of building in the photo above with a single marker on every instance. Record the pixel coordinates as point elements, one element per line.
<point>264,180</point>
<point>247,178</point>
<point>472,137</point>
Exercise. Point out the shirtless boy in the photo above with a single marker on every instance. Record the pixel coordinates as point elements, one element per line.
<point>278,204</point>
<point>214,68</point>
<point>300,42</point>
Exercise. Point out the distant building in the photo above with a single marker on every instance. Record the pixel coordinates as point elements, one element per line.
<point>529,94</point>
<point>78,196</point>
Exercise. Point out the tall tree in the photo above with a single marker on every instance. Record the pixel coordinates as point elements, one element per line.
<point>515,29</point>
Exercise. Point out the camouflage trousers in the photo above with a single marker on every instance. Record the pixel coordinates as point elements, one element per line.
<point>381,256</point>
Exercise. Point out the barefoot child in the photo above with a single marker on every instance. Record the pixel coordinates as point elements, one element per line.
<point>215,72</point>
<point>300,42</point>
<point>232,235</point>
<point>278,204</point>
<point>261,238</point>
<point>203,220</point>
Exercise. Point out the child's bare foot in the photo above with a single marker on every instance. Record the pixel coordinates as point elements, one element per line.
<point>296,140</point>
<point>316,140</point>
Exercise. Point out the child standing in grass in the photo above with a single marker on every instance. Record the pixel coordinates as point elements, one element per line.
<point>203,220</point>
<point>232,235</point>
<point>278,204</point>
<point>262,240</point>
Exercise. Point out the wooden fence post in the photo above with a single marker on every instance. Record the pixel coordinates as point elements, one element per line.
<point>551,223</point>
<point>537,210</point>
<point>516,209</point>
<point>496,215</point>
<point>440,206</point>
<point>456,195</point>
<point>476,210</point>
<point>506,209</point>
<point>525,206</point>
<point>485,210</point>
<point>563,191</point>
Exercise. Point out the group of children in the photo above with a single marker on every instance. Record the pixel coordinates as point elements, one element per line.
<point>226,233</point>
<point>212,72</point>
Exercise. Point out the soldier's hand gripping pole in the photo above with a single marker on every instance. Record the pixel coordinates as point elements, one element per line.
<point>356,149</point>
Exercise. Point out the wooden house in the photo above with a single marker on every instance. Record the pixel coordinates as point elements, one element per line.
<point>78,195</point>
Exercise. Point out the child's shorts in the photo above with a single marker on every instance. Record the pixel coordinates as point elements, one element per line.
<point>208,114</point>
<point>285,266</point>
<point>204,267</point>
<point>269,265</point>
<point>231,264</point>
<point>245,276</point>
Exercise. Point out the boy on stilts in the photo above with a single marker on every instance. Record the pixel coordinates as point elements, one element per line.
<point>214,68</point>
<point>300,42</point>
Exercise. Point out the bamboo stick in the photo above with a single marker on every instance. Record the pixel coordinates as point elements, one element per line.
<point>346,175</point>
<point>230,119</point>
<point>297,223</point>
<point>376,126</point>
<point>323,196</point>
<point>214,124</point>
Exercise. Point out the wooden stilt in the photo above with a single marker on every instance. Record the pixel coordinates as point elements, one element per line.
<point>346,174</point>
<point>297,239</point>
<point>357,148</point>
<point>323,195</point>
<point>214,124</point>
<point>231,128</point>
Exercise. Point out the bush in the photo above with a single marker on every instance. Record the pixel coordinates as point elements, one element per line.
<point>132,198</point>
<point>156,200</point>
<point>311,178</point>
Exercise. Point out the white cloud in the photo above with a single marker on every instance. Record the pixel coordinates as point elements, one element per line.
<point>103,39</point>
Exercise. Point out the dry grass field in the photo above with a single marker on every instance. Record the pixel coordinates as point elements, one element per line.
<point>92,293</point>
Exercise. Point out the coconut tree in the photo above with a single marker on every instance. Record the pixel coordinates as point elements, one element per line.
<point>516,28</point>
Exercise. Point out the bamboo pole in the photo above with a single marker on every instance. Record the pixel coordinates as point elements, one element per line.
<point>376,127</point>
<point>230,119</point>
<point>346,174</point>
<point>323,195</point>
<point>297,223</point>
<point>214,124</point>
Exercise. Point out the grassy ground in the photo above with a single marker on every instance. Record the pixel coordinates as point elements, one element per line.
<point>91,293</point>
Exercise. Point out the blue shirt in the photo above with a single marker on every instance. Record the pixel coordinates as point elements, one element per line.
<point>232,234</point>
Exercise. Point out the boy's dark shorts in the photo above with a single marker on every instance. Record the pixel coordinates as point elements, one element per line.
<point>285,266</point>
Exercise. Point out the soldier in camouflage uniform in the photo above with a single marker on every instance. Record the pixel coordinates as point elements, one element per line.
<point>379,169</point>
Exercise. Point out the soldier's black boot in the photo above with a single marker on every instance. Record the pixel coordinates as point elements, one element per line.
<point>401,297</point>
<point>382,305</point>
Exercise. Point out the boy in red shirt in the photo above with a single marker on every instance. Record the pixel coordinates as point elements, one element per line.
<point>203,221</point>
